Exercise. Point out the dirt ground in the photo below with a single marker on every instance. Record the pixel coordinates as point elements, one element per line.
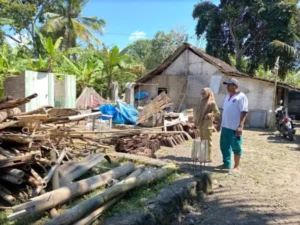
<point>266,191</point>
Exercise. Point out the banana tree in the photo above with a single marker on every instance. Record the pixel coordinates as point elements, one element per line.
<point>87,72</point>
<point>10,65</point>
<point>112,60</point>
<point>52,54</point>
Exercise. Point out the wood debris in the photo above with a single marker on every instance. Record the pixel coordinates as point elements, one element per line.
<point>159,103</point>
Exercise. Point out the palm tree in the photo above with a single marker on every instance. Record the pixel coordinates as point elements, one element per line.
<point>67,20</point>
<point>52,53</point>
<point>113,60</point>
<point>86,72</point>
<point>284,50</point>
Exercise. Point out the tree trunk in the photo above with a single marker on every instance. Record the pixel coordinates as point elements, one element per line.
<point>238,59</point>
<point>108,92</point>
<point>89,205</point>
<point>53,198</point>
<point>94,215</point>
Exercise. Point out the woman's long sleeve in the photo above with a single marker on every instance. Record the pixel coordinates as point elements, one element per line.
<point>215,113</point>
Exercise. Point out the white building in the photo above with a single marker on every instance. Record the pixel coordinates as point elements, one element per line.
<point>184,73</point>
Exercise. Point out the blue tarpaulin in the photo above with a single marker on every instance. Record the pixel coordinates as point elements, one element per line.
<point>122,113</point>
<point>141,95</point>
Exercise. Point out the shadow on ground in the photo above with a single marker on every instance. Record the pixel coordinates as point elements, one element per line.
<point>224,209</point>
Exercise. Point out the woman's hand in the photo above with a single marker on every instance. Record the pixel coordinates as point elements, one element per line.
<point>207,116</point>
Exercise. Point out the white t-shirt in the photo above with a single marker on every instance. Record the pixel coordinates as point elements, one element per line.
<point>232,109</point>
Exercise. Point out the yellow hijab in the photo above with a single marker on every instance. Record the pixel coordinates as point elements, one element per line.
<point>204,106</point>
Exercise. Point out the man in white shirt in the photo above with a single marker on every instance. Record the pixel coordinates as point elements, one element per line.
<point>235,110</point>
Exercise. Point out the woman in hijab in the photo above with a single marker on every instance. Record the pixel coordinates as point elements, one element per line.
<point>206,113</point>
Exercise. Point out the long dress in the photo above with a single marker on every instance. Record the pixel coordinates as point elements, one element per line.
<point>207,127</point>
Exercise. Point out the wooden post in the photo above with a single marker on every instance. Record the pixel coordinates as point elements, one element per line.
<point>273,121</point>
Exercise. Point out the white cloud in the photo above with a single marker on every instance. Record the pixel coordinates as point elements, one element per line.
<point>137,35</point>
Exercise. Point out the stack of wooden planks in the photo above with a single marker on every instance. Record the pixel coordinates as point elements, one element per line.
<point>159,103</point>
<point>33,145</point>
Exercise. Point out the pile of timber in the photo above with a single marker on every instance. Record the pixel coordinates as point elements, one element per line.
<point>88,210</point>
<point>38,146</point>
<point>147,143</point>
<point>158,104</point>
<point>43,154</point>
<point>139,145</point>
<point>187,127</point>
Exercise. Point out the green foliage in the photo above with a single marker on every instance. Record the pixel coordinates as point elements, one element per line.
<point>87,70</point>
<point>17,13</point>
<point>261,72</point>
<point>10,64</point>
<point>115,66</point>
<point>52,54</point>
<point>293,77</point>
<point>246,29</point>
<point>151,53</point>
<point>66,19</point>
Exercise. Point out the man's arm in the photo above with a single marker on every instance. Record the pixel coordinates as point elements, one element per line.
<point>243,119</point>
<point>239,130</point>
<point>244,111</point>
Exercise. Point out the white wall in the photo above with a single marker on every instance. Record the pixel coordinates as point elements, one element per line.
<point>259,93</point>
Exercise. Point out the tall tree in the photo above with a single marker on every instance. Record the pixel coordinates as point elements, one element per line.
<point>152,52</point>
<point>112,60</point>
<point>246,28</point>
<point>66,19</point>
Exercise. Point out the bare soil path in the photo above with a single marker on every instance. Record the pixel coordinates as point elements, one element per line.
<point>266,191</point>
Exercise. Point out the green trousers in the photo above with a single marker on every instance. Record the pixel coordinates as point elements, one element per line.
<point>228,143</point>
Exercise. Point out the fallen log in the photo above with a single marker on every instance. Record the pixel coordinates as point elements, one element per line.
<point>91,204</point>
<point>71,172</point>
<point>142,159</point>
<point>94,215</point>
<point>53,198</point>
<point>12,103</point>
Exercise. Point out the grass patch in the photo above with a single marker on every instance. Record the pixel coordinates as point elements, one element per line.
<point>136,199</point>
<point>133,201</point>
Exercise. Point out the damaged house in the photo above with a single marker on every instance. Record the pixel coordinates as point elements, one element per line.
<point>184,73</point>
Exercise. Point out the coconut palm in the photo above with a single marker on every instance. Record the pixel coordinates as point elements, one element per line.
<point>283,48</point>
<point>66,19</point>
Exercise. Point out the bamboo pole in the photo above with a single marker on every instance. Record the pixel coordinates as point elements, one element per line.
<point>11,179</point>
<point>94,215</point>
<point>53,198</point>
<point>55,182</point>
<point>14,172</point>
<point>91,204</point>
<point>31,180</point>
<point>7,197</point>
<point>79,168</point>
<point>138,158</point>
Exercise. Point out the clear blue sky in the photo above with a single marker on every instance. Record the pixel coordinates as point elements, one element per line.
<point>143,18</point>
